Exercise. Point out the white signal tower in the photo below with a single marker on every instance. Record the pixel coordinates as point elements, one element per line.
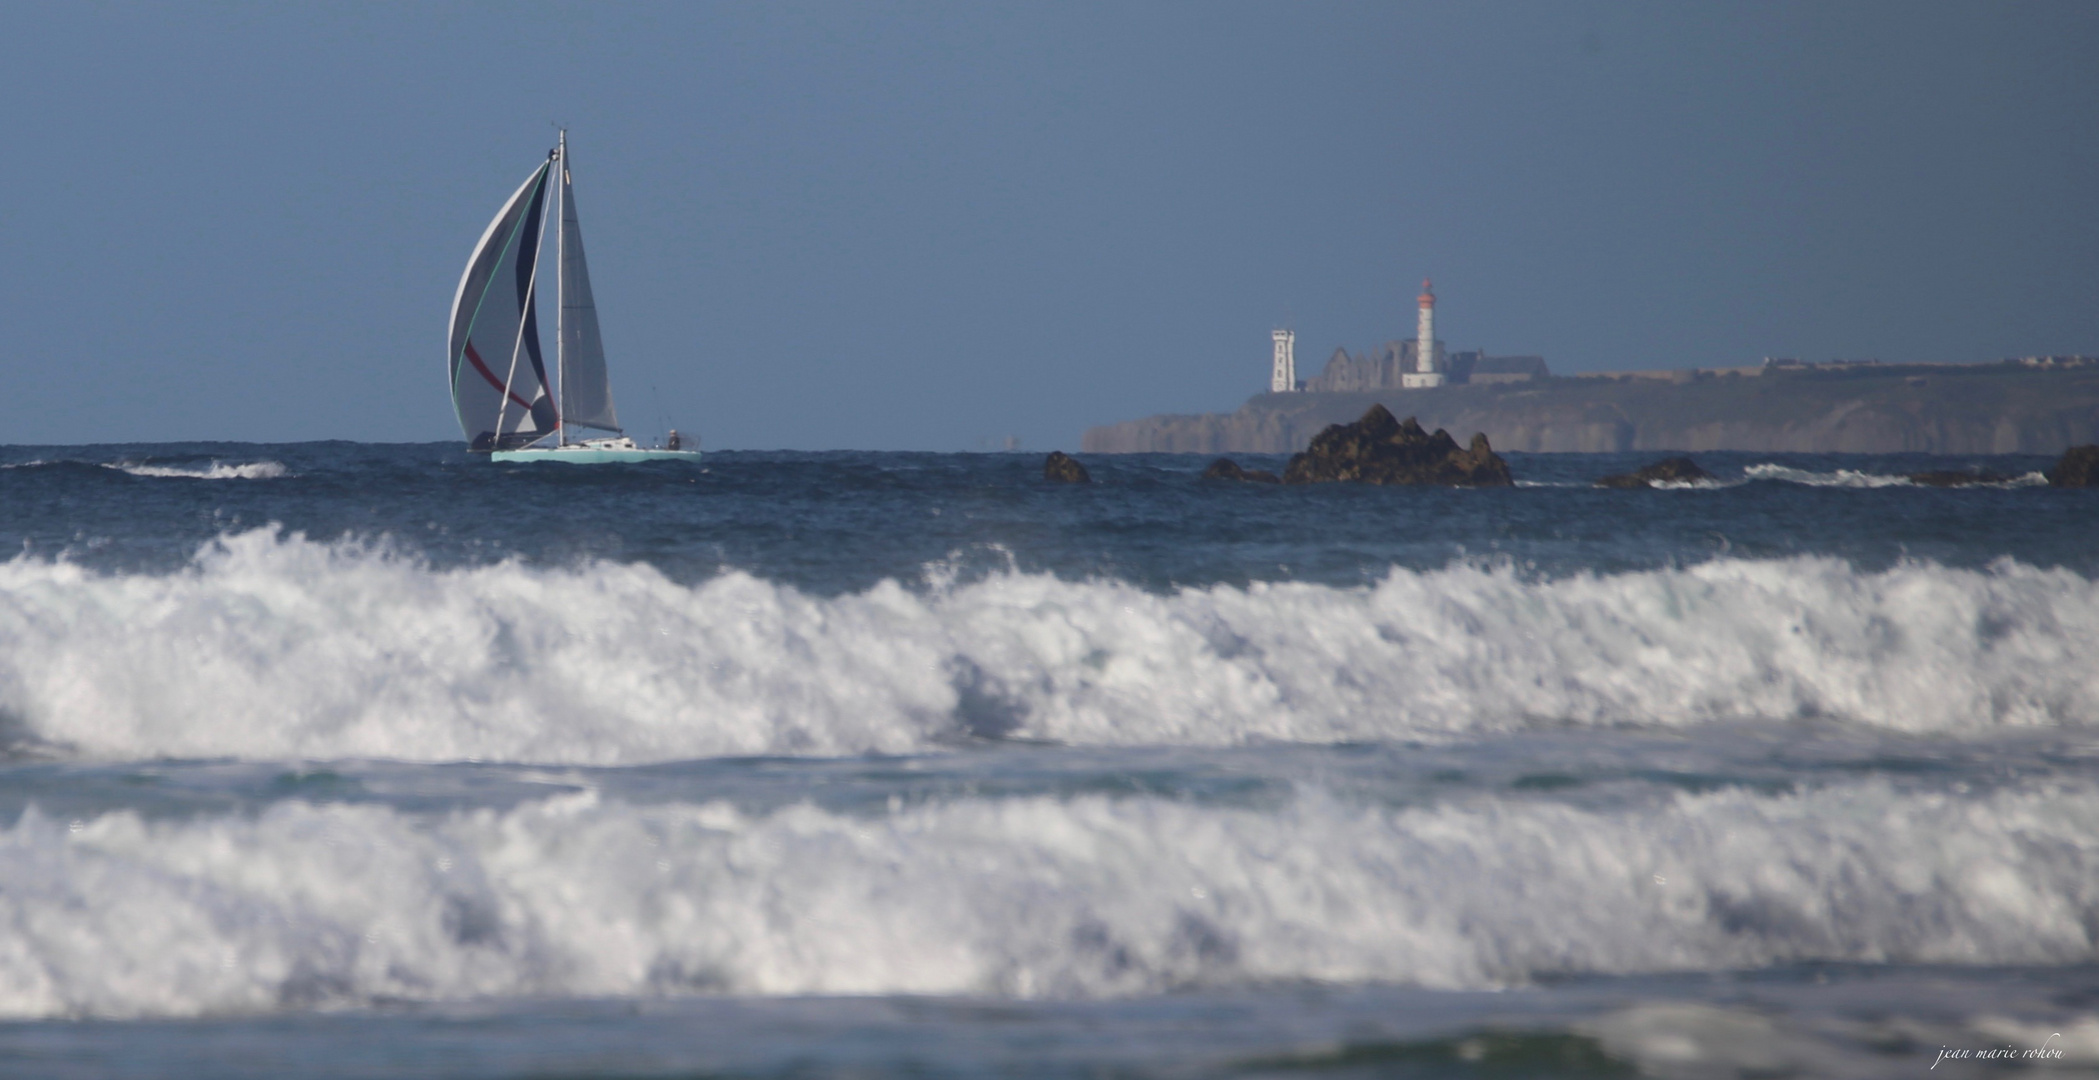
<point>1284,379</point>
<point>1428,366</point>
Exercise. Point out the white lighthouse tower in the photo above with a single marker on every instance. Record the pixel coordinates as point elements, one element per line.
<point>1284,378</point>
<point>1428,362</point>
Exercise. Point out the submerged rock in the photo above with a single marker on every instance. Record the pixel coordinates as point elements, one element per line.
<point>1946,478</point>
<point>1380,450</point>
<point>2078,468</point>
<point>1225,468</point>
<point>1676,470</point>
<point>1059,468</point>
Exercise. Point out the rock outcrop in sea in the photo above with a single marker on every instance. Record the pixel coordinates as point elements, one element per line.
<point>1676,470</point>
<point>2078,468</point>
<point>1225,468</point>
<point>1059,468</point>
<point>1378,449</point>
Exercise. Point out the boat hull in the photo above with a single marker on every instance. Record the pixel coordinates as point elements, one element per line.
<point>594,455</point>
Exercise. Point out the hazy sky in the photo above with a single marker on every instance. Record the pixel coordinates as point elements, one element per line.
<point>925,226</point>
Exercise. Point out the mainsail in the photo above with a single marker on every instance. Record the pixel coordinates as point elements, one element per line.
<point>586,392</point>
<point>499,383</point>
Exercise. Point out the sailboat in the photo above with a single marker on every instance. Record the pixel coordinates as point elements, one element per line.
<point>507,406</point>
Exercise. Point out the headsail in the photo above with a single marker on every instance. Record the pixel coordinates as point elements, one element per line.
<point>586,391</point>
<point>499,383</point>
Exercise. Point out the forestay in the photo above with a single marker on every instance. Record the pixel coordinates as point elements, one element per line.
<point>499,382</point>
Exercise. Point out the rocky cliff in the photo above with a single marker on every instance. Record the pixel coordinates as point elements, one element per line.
<point>1978,409</point>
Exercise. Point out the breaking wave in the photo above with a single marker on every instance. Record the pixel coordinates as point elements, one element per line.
<point>217,470</point>
<point>271,646</point>
<point>303,905</point>
<point>1837,478</point>
<point>254,470</point>
<point>1853,478</point>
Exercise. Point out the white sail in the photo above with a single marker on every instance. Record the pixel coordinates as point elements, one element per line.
<point>499,383</point>
<point>586,390</point>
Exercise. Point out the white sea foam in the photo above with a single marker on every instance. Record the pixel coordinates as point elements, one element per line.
<point>1853,478</point>
<point>274,646</point>
<point>303,905</point>
<point>218,470</point>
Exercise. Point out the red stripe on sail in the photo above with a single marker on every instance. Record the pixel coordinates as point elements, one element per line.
<point>475,358</point>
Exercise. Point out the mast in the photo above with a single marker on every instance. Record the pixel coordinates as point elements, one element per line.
<point>561,292</point>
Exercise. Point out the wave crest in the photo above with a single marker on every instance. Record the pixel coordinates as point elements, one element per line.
<point>217,470</point>
<point>1854,478</point>
<point>303,905</point>
<point>273,646</point>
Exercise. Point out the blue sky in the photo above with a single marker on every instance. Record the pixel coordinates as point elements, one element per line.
<point>927,226</point>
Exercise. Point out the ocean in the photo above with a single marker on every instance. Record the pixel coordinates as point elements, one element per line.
<point>351,760</point>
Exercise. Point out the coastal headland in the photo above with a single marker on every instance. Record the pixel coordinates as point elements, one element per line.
<point>1995,408</point>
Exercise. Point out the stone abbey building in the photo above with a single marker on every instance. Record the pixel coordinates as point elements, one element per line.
<point>1386,368</point>
<point>1420,364</point>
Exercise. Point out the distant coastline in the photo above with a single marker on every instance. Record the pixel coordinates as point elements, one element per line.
<point>2037,405</point>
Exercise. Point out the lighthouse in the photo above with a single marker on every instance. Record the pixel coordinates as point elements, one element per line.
<point>1428,363</point>
<point>1283,379</point>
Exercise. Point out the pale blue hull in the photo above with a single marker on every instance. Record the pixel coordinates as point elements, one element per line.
<point>591,455</point>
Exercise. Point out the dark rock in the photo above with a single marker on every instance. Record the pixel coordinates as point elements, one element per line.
<point>1674,470</point>
<point>2078,468</point>
<point>1225,468</point>
<point>1955,479</point>
<point>1380,450</point>
<point>1059,468</point>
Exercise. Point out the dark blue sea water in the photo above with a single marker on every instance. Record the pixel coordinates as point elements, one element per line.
<point>348,760</point>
